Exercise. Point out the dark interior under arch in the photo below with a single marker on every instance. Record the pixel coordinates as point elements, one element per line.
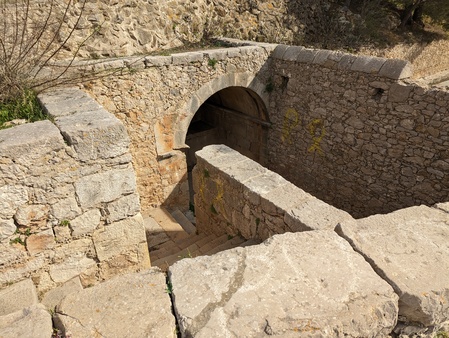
<point>234,116</point>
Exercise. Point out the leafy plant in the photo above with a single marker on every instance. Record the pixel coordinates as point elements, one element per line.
<point>64,223</point>
<point>269,87</point>
<point>169,288</point>
<point>23,106</point>
<point>212,62</point>
<point>17,240</point>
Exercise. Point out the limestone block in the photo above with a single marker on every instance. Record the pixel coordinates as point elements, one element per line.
<point>399,93</point>
<point>133,305</point>
<point>53,297</point>
<point>157,61</point>
<point>290,285</point>
<point>41,241</point>
<point>408,248</point>
<point>11,198</point>
<point>306,55</point>
<point>314,214</point>
<point>13,274</point>
<point>368,64</point>
<point>125,206</point>
<point>32,215</point>
<point>70,268</point>
<point>86,223</point>
<point>186,58</point>
<point>17,296</point>
<point>105,187</point>
<point>217,54</point>
<point>94,134</point>
<point>322,56</point>
<point>10,255</point>
<point>31,142</point>
<point>396,69</point>
<point>7,228</point>
<point>67,101</point>
<point>279,51</point>
<point>119,238</point>
<point>443,206</point>
<point>66,208</point>
<point>33,321</point>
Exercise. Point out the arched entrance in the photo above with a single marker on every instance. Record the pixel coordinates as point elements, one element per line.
<point>234,116</point>
<point>231,110</point>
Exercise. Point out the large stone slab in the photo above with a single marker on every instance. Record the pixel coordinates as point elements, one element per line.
<point>33,321</point>
<point>295,284</point>
<point>17,296</point>
<point>94,134</point>
<point>408,248</point>
<point>133,305</point>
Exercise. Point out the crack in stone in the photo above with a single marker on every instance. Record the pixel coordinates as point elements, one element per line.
<point>203,318</point>
<point>80,323</point>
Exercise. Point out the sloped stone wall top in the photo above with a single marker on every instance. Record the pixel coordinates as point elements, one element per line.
<point>389,68</point>
<point>238,196</point>
<point>409,249</point>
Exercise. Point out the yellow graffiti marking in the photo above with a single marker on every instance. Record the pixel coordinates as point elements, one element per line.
<point>291,120</point>
<point>315,126</point>
<point>218,199</point>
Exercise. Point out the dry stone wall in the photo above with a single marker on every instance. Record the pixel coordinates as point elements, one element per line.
<point>130,27</point>
<point>68,198</point>
<point>353,132</point>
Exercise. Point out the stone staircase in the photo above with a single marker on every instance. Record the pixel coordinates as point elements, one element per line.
<point>172,237</point>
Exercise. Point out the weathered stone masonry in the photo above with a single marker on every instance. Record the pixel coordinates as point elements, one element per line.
<point>68,198</point>
<point>348,129</point>
<point>353,132</point>
<point>157,101</point>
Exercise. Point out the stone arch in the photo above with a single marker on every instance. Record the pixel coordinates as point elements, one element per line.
<point>245,80</point>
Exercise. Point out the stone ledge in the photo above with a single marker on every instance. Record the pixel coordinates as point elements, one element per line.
<point>389,68</point>
<point>290,285</point>
<point>408,248</point>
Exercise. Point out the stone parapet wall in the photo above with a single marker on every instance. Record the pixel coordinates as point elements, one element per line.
<point>68,197</point>
<point>235,195</point>
<point>354,132</point>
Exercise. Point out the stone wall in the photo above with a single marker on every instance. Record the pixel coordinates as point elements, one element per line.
<point>353,132</point>
<point>158,99</point>
<point>237,196</point>
<point>130,27</point>
<point>68,199</point>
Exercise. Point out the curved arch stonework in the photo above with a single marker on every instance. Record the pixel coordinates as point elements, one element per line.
<point>167,140</point>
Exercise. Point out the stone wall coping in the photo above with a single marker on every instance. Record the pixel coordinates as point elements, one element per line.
<point>394,69</point>
<point>297,210</point>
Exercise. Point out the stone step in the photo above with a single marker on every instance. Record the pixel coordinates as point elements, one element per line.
<point>229,244</point>
<point>172,228</point>
<point>154,232</point>
<point>213,244</point>
<point>184,221</point>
